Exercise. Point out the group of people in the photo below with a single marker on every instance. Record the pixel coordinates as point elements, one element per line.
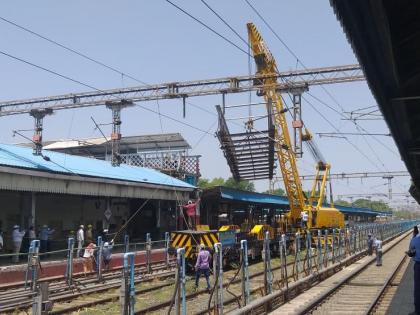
<point>88,253</point>
<point>18,235</point>
<point>375,244</point>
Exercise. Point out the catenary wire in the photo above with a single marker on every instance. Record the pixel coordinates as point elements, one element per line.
<point>206,26</point>
<point>71,50</point>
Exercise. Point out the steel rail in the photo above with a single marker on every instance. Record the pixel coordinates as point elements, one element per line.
<point>308,307</point>
<point>316,277</point>
<point>381,292</point>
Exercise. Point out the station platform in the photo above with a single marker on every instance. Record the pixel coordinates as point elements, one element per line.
<point>403,300</point>
<point>15,274</point>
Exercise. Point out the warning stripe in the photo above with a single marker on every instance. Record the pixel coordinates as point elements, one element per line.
<point>182,241</point>
<point>175,239</point>
<point>188,251</point>
<point>207,241</point>
<point>214,238</point>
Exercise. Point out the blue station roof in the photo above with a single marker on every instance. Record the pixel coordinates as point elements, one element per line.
<point>22,157</point>
<point>282,201</point>
<point>252,197</point>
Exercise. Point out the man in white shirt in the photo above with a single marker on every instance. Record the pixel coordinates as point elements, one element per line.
<point>80,239</point>
<point>17,237</point>
<point>378,249</point>
<point>304,219</point>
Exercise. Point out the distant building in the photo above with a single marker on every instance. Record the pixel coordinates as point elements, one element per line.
<point>168,153</point>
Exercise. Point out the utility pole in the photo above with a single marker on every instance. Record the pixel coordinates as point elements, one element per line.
<point>389,178</point>
<point>116,107</point>
<point>38,115</point>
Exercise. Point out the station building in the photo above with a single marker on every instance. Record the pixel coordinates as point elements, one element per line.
<point>64,191</point>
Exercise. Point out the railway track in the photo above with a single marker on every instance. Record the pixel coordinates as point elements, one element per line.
<point>19,298</point>
<point>363,289</point>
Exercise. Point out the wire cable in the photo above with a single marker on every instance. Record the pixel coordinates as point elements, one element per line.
<point>207,27</point>
<point>71,50</point>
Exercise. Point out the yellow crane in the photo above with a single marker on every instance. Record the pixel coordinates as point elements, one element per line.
<point>318,216</point>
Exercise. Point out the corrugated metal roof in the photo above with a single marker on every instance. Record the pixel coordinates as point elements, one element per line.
<point>252,197</point>
<point>21,157</point>
<point>246,196</point>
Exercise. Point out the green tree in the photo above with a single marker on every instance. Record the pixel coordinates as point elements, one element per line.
<point>278,192</point>
<point>342,203</point>
<point>242,184</point>
<point>374,205</point>
<point>206,183</point>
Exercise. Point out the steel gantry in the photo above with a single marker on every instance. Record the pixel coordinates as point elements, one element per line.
<point>289,81</point>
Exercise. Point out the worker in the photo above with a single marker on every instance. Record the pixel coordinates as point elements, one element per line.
<point>31,234</point>
<point>80,240</point>
<point>17,237</point>
<point>304,219</point>
<point>370,245</point>
<point>415,231</point>
<point>202,266</point>
<point>89,234</point>
<point>378,250</point>
<point>107,254</point>
<point>415,249</point>
<point>191,208</point>
<point>88,258</point>
<point>45,236</point>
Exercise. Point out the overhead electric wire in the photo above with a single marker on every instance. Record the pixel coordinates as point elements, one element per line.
<point>267,24</point>
<point>325,90</point>
<point>50,71</point>
<point>70,49</point>
<point>206,26</point>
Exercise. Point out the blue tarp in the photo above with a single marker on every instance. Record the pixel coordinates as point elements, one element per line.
<point>22,157</point>
<point>246,196</point>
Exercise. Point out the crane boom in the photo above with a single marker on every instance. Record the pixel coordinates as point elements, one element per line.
<point>319,216</point>
<point>266,65</point>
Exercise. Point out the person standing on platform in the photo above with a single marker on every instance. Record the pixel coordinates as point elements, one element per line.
<point>45,236</point>
<point>378,250</point>
<point>202,266</point>
<point>80,239</point>
<point>415,249</point>
<point>17,237</point>
<point>31,234</point>
<point>370,245</point>
<point>89,234</point>
<point>415,231</point>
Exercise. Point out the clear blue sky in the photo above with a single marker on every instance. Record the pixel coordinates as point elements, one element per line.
<point>154,42</point>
